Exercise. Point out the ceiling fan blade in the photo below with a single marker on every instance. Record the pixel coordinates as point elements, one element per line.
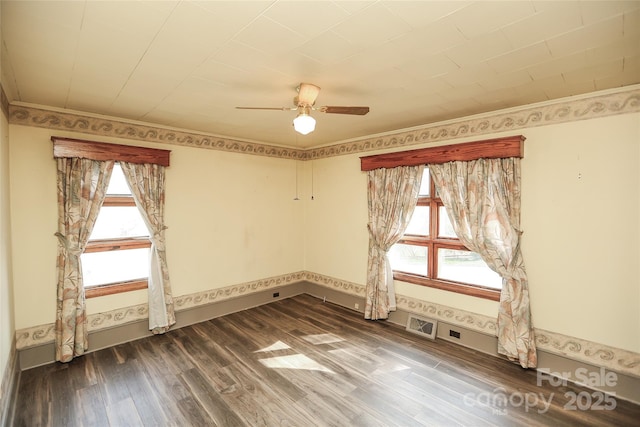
<point>360,111</point>
<point>307,94</point>
<point>266,108</point>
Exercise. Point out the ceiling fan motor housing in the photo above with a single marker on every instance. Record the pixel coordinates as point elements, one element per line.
<point>307,94</point>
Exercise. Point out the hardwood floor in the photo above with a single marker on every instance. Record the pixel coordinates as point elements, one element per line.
<point>298,362</point>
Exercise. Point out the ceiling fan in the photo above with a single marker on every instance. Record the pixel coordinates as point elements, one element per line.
<point>304,103</point>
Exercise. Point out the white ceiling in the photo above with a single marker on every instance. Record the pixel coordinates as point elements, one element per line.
<point>187,64</point>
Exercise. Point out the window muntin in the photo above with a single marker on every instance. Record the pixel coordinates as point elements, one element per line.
<point>117,253</point>
<point>431,254</point>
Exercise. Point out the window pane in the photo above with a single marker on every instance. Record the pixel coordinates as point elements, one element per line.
<point>118,221</point>
<point>466,267</point>
<point>419,223</point>
<point>118,183</point>
<point>445,227</point>
<point>409,258</point>
<point>424,184</point>
<point>99,268</point>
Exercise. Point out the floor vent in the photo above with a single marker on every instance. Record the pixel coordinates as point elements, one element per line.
<point>422,326</point>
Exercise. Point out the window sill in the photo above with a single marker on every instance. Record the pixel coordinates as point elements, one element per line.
<point>474,291</point>
<point>115,288</point>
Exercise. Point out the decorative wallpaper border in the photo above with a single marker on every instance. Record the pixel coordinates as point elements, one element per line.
<point>623,101</point>
<point>616,359</point>
<point>343,286</point>
<point>469,320</point>
<point>588,351</point>
<point>540,114</point>
<point>217,295</point>
<point>75,122</point>
<point>619,360</point>
<point>44,334</point>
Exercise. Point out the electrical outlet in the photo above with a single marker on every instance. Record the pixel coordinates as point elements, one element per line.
<point>276,294</point>
<point>356,306</point>
<point>454,334</point>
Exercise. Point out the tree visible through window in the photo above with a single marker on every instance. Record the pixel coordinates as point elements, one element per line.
<point>116,256</point>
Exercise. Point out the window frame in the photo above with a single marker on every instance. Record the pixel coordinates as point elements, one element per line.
<point>117,244</point>
<point>71,147</point>
<point>434,242</point>
<point>512,146</point>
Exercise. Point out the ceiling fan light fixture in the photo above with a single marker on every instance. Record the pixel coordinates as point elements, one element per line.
<point>304,104</point>
<point>304,123</point>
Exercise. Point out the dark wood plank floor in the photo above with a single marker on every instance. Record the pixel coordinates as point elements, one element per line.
<point>297,362</point>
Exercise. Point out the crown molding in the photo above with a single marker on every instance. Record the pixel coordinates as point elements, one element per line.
<point>590,106</point>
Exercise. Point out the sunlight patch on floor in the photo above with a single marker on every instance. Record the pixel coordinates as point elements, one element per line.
<point>278,345</point>
<point>390,368</point>
<point>322,339</point>
<point>294,361</point>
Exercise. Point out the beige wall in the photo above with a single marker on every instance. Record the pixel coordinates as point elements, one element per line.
<point>231,219</point>
<point>580,213</point>
<point>7,325</point>
<point>580,216</point>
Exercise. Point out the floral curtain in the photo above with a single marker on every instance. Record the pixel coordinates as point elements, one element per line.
<point>147,186</point>
<point>392,197</point>
<point>82,185</point>
<point>482,198</point>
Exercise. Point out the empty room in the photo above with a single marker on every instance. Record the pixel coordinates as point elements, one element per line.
<point>319,213</point>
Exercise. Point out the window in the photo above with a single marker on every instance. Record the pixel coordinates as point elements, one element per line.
<point>116,256</point>
<point>430,253</point>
